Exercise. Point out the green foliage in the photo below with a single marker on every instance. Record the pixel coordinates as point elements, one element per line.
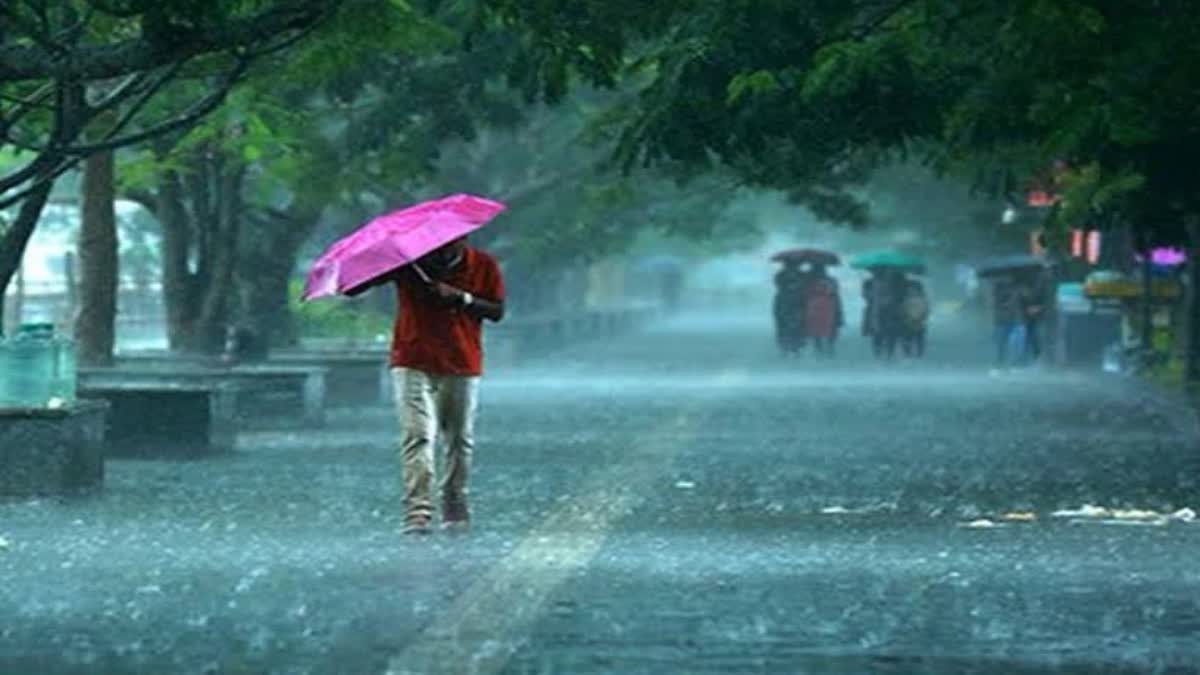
<point>345,319</point>
<point>568,203</point>
<point>807,101</point>
<point>756,83</point>
<point>1088,190</point>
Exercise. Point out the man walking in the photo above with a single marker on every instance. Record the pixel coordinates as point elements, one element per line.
<point>436,360</point>
<point>1008,323</point>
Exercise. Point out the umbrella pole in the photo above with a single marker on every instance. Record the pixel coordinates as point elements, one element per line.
<point>421,273</point>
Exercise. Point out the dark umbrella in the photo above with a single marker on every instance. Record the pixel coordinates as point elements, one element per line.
<point>813,256</point>
<point>1009,265</point>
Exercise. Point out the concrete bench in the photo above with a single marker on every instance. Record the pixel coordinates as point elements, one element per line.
<point>52,452</point>
<point>154,417</point>
<point>353,377</point>
<point>268,394</point>
<point>273,391</point>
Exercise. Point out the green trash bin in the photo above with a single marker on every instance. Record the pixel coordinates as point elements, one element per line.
<point>37,368</point>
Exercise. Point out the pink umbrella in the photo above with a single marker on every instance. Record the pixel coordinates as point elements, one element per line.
<point>394,240</point>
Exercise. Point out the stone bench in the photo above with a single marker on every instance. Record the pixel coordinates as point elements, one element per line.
<point>47,452</point>
<point>353,377</point>
<point>154,417</point>
<point>268,394</point>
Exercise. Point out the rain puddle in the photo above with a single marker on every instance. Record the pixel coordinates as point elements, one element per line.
<point>1086,514</point>
<point>1104,516</point>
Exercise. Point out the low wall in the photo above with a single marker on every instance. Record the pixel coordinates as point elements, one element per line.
<point>52,452</point>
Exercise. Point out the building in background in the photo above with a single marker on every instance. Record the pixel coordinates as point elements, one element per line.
<point>45,287</point>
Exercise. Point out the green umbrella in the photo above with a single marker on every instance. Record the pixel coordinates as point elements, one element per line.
<point>894,259</point>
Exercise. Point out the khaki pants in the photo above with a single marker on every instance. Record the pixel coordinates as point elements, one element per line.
<point>433,407</point>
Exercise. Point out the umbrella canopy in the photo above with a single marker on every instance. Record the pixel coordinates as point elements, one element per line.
<point>1008,265</point>
<point>396,239</point>
<point>807,255</point>
<point>888,259</point>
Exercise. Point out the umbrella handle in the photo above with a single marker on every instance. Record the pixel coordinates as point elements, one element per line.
<point>421,273</point>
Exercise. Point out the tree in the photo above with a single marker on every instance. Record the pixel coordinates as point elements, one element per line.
<point>569,204</point>
<point>805,100</point>
<point>721,81</point>
<point>79,78</point>
<point>68,67</point>
<point>1100,88</point>
<point>347,124</point>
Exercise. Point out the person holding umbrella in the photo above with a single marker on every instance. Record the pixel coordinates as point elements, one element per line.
<point>1019,307</point>
<point>788,308</point>
<point>801,311</point>
<point>884,294</point>
<point>823,317</point>
<point>915,312</point>
<point>445,290</point>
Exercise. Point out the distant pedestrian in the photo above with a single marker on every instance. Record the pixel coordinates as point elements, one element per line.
<point>915,317</point>
<point>437,359</point>
<point>789,308</point>
<point>1036,309</point>
<point>883,293</point>
<point>822,311</point>
<point>1008,312</point>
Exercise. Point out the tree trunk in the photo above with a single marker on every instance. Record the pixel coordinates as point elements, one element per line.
<point>268,257</point>
<point>1192,314</point>
<point>221,245</point>
<point>200,215</point>
<point>176,246</point>
<point>95,327</point>
<point>16,237</point>
<point>265,286</point>
<point>71,271</point>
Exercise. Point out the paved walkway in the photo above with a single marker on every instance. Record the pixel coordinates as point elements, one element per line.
<point>676,501</point>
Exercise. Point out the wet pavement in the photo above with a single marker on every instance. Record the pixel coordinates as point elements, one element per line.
<point>679,500</point>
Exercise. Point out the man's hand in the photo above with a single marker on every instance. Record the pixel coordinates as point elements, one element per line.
<point>448,293</point>
<point>476,307</point>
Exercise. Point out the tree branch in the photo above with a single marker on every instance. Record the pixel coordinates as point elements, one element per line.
<point>39,35</point>
<point>123,89</point>
<point>49,171</point>
<point>16,237</point>
<point>194,114</point>
<point>144,197</point>
<point>874,23</point>
<point>34,101</point>
<point>24,62</point>
<point>41,166</point>
<point>24,106</point>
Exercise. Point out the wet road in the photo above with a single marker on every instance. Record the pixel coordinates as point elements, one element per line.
<point>676,501</point>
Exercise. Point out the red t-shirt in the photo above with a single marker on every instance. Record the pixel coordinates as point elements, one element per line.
<point>442,339</point>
